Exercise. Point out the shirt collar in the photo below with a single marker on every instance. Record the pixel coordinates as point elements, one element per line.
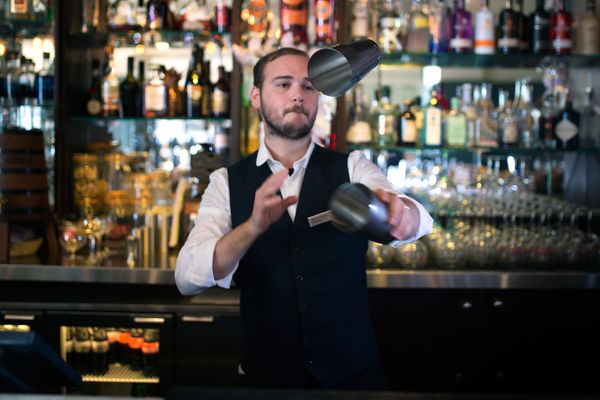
<point>264,155</point>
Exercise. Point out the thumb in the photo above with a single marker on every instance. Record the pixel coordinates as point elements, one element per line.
<point>288,201</point>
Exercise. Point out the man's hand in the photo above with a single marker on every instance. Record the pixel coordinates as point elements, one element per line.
<point>403,215</point>
<point>268,204</point>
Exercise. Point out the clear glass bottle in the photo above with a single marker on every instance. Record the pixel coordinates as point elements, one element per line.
<point>155,94</point>
<point>510,126</point>
<point>456,125</point>
<point>418,29</point>
<point>529,116</point>
<point>547,138</point>
<point>20,9</point>
<point>433,128</point>
<point>407,126</point>
<point>389,24</point>
<point>359,131</point>
<point>469,108</point>
<point>486,126</point>
<point>123,15</point>
<point>111,104</point>
<point>462,38</point>
<point>485,37</point>
<point>587,34</point>
<point>360,19</point>
<point>384,118</point>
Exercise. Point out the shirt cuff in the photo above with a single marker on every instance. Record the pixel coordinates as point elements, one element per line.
<point>425,224</point>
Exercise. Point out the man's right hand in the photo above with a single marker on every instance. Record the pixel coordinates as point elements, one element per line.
<point>268,204</point>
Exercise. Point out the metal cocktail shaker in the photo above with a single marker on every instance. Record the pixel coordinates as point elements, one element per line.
<point>356,209</point>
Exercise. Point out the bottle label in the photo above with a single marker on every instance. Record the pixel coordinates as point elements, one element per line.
<point>562,44</point>
<point>420,22</point>
<point>221,141</point>
<point>220,102</point>
<point>222,15</point>
<point>359,132</point>
<point>511,131</point>
<point>154,98</point>
<point>566,130</point>
<point>409,131</point>
<point>508,43</point>
<point>297,15</point>
<point>18,6</point>
<point>433,127</point>
<point>360,22</point>
<point>387,23</point>
<point>323,13</point>
<point>484,33</point>
<point>461,43</point>
<point>486,132</point>
<point>258,11</point>
<point>587,37</point>
<point>456,130</point>
<point>194,92</point>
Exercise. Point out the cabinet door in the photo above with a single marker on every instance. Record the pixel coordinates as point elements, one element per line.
<point>428,339</point>
<point>543,341</point>
<point>208,349</point>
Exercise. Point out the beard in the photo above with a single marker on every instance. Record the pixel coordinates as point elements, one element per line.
<point>288,130</point>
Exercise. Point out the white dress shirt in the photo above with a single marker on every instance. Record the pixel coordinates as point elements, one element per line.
<point>194,268</point>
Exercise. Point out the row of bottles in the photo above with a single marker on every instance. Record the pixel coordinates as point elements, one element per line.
<point>160,94</point>
<point>27,10</point>
<point>205,17</point>
<point>471,119</point>
<point>444,26</point>
<point>91,350</point>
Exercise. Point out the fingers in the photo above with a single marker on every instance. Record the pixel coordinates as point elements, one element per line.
<point>273,183</point>
<point>399,214</point>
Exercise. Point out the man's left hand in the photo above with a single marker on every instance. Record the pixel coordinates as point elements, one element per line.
<point>403,215</point>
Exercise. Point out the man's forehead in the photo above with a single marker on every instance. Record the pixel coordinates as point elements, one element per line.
<point>287,65</point>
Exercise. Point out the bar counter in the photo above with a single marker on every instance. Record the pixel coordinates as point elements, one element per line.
<point>376,278</point>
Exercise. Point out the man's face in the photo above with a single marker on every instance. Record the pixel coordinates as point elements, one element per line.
<point>287,101</point>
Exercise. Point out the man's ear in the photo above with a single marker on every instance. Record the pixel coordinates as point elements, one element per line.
<point>255,97</point>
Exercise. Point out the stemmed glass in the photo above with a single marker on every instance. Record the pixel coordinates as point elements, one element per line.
<point>71,238</point>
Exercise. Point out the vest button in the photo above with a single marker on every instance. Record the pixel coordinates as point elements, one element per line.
<point>302,307</point>
<point>299,277</point>
<point>295,249</point>
<point>309,363</point>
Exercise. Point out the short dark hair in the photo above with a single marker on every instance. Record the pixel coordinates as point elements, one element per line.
<point>259,68</point>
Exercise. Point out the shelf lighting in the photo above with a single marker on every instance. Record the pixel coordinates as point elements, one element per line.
<point>162,46</point>
<point>2,49</point>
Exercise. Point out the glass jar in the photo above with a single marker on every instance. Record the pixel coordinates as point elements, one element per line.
<point>120,214</point>
<point>89,189</point>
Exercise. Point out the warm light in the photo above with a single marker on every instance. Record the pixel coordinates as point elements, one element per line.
<point>36,43</point>
<point>2,49</point>
<point>245,14</point>
<point>140,49</point>
<point>48,46</point>
<point>162,46</point>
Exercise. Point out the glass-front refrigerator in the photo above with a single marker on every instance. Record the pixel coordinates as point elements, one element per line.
<point>121,354</point>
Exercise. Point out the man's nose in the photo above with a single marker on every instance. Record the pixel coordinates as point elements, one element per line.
<point>297,94</point>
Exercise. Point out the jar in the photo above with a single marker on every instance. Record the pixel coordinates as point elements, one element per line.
<point>120,214</point>
<point>88,188</point>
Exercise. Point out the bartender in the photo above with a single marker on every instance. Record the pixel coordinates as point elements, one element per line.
<point>303,292</point>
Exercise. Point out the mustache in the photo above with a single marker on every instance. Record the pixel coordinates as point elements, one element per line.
<point>297,109</point>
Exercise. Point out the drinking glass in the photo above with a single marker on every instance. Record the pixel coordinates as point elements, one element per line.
<point>71,238</point>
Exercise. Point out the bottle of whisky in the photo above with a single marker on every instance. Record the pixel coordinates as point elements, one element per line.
<point>294,19</point>
<point>540,29</point>
<point>587,35</point>
<point>324,22</point>
<point>155,93</point>
<point>508,30</point>
<point>220,96</point>
<point>193,85</point>
<point>111,104</point>
<point>561,23</point>
<point>567,125</point>
<point>407,126</point>
<point>129,91</point>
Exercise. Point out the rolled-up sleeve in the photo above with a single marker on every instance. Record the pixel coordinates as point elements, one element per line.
<point>364,171</point>
<point>194,267</point>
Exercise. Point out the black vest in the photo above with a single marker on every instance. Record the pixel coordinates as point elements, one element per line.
<point>303,301</point>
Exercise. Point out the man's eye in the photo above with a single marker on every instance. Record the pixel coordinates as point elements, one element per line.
<point>309,88</point>
<point>283,85</point>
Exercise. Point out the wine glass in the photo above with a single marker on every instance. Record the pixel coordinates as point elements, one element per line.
<point>71,238</point>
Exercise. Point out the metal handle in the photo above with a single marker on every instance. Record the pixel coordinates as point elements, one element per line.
<point>148,320</point>
<point>193,318</point>
<point>13,317</point>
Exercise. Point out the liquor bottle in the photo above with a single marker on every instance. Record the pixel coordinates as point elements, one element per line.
<point>436,20</point>
<point>94,92</point>
<point>462,38</point>
<point>359,131</point>
<point>388,28</point>
<point>360,19</point>
<point>324,22</point>
<point>13,70</point>
<point>590,121</point>
<point>129,91</point>
<point>470,111</point>
<point>141,81</point>
<point>222,16</point>
<point>257,20</point>
<point>561,23</point>
<point>207,89</point>
<point>486,126</point>
<point>510,127</point>
<point>221,142</point>
<point>432,129</point>
<point>456,125</point>
<point>21,9</point>
<point>522,26</point>
<point>155,94</point>
<point>45,81</point>
<point>156,14</point>
<point>123,15</point>
<point>294,19</point>
<point>140,14</point>
<point>529,116</point>
<point>220,96</point>
<point>567,125</point>
<point>587,35</point>
<point>110,93</point>
<point>508,30</point>
<point>418,29</point>
<point>175,106</point>
<point>193,85</point>
<point>26,79</point>
<point>407,126</point>
<point>485,40</point>
<point>384,124</point>
<point>547,137</point>
<point>540,29</point>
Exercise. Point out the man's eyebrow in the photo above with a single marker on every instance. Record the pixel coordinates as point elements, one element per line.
<point>282,77</point>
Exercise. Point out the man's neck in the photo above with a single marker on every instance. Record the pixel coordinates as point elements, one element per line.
<point>286,151</point>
